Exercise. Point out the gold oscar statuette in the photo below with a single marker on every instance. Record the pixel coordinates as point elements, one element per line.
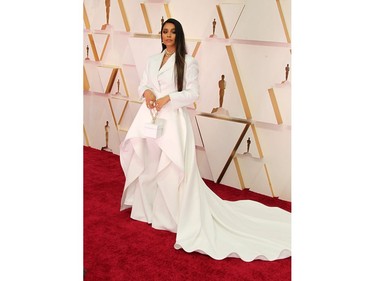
<point>118,88</point>
<point>248,142</point>
<point>220,110</point>
<point>87,53</point>
<point>106,129</point>
<point>161,23</point>
<point>107,11</point>
<point>213,29</point>
<point>287,69</point>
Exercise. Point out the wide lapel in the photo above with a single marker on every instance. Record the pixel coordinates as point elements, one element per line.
<point>168,65</point>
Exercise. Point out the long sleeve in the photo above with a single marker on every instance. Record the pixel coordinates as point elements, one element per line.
<point>191,91</point>
<point>143,85</point>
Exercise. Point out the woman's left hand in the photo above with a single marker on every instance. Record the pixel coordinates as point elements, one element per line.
<point>161,102</point>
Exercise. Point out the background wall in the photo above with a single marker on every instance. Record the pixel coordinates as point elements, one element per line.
<point>251,46</point>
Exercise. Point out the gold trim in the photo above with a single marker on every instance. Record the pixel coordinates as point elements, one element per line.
<point>111,80</point>
<point>239,174</point>
<point>167,11</point>
<point>275,106</point>
<point>257,142</point>
<point>221,117</point>
<point>196,48</point>
<point>123,112</point>
<point>104,47</point>
<point>269,180</point>
<point>126,99</point>
<point>259,43</point>
<point>93,47</point>
<point>124,82</point>
<point>239,82</point>
<point>193,55</point>
<point>113,114</point>
<point>283,21</point>
<point>144,35</point>
<point>85,135</point>
<point>123,14</point>
<point>85,17</point>
<point>232,154</point>
<point>109,65</point>
<point>235,25</point>
<point>86,84</point>
<point>199,130</point>
<point>222,21</point>
<point>145,15</point>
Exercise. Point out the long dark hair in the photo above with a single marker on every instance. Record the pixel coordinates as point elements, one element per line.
<point>180,50</point>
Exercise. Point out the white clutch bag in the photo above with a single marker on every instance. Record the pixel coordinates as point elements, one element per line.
<point>153,129</point>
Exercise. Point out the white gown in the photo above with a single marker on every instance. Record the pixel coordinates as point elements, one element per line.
<point>164,188</point>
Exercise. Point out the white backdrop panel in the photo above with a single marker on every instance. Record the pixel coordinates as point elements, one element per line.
<point>96,13</point>
<point>91,68</point>
<point>231,14</point>
<point>231,177</point>
<point>260,68</point>
<point>203,165</point>
<point>129,114</point>
<point>155,11</point>
<point>95,105</point>
<point>276,145</point>
<point>196,16</point>
<point>132,81</point>
<point>254,174</point>
<point>283,97</point>
<point>135,16</point>
<point>142,49</point>
<point>213,62</point>
<point>260,20</point>
<point>219,139</point>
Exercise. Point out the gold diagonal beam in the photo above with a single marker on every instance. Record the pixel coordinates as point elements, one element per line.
<point>123,15</point>
<point>104,47</point>
<point>93,47</point>
<point>239,82</point>
<point>86,84</point>
<point>222,117</point>
<point>145,15</point>
<point>124,82</point>
<point>196,49</point>
<point>283,21</point>
<point>199,130</point>
<point>111,81</point>
<point>120,97</point>
<point>123,112</point>
<point>221,18</point>
<point>269,180</point>
<point>239,174</point>
<point>167,11</point>
<point>275,106</point>
<point>85,17</point>
<point>243,8</point>
<point>193,55</point>
<point>232,154</point>
<point>113,114</point>
<point>85,135</point>
<point>257,142</point>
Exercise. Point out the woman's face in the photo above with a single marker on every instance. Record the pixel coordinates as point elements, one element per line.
<point>169,35</point>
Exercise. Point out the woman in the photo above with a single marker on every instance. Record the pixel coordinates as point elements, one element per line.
<point>163,185</point>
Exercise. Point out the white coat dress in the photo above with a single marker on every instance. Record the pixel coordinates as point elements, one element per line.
<point>164,188</point>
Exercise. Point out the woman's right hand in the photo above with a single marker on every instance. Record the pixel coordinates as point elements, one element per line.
<point>150,98</point>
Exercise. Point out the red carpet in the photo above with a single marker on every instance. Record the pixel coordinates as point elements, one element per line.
<point>117,248</point>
